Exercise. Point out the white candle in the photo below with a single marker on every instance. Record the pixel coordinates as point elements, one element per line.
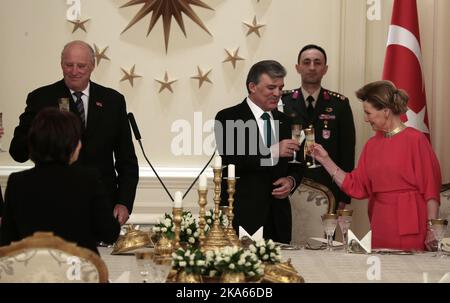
<point>202,183</point>
<point>231,169</point>
<point>217,162</point>
<point>178,202</point>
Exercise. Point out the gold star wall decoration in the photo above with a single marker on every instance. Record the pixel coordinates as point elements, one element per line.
<point>167,9</point>
<point>233,57</point>
<point>166,84</point>
<point>201,77</point>
<point>100,54</point>
<point>78,24</point>
<point>254,27</point>
<point>130,76</point>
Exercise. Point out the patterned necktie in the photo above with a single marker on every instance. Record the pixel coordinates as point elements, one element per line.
<point>267,129</point>
<point>310,108</point>
<point>80,107</point>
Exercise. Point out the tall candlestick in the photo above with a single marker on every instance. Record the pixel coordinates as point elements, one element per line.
<point>231,169</point>
<point>217,162</point>
<point>202,182</point>
<point>178,201</point>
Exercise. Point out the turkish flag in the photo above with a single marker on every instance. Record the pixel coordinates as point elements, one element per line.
<point>403,62</point>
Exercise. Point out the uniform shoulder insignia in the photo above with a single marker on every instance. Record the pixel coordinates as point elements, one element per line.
<point>287,91</point>
<point>337,95</point>
<point>294,93</point>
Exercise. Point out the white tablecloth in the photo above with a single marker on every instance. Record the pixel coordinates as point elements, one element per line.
<point>324,267</point>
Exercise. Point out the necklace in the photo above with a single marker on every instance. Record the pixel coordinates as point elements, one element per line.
<point>395,131</point>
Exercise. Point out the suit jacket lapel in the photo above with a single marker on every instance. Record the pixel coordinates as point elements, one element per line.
<point>95,106</point>
<point>247,115</point>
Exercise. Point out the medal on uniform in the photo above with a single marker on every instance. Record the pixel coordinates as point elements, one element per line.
<point>326,133</point>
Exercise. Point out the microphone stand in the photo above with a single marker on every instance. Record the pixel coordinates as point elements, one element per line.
<point>162,183</point>
<point>190,187</point>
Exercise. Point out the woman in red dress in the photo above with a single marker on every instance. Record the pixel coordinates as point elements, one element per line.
<point>397,171</point>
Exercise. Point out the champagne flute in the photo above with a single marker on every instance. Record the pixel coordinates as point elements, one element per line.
<point>296,135</point>
<point>1,127</point>
<point>344,220</point>
<point>439,227</point>
<point>64,104</point>
<point>329,222</point>
<point>309,143</point>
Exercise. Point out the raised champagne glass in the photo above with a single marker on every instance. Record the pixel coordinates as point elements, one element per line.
<point>309,143</point>
<point>296,135</point>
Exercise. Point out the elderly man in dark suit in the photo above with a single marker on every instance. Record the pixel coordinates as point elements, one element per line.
<point>256,137</point>
<point>107,144</point>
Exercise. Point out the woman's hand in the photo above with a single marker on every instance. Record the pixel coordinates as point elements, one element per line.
<point>319,152</point>
<point>430,241</point>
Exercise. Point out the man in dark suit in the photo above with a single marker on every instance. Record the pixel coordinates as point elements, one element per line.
<point>107,144</point>
<point>256,137</point>
<point>329,113</point>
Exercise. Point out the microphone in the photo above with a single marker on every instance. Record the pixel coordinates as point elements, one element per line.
<point>137,135</point>
<point>134,126</point>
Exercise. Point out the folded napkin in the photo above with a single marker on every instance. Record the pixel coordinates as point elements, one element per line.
<point>258,235</point>
<point>360,246</point>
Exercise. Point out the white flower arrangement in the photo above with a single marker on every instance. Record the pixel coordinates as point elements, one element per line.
<point>209,219</point>
<point>233,259</point>
<point>188,229</point>
<point>191,260</point>
<point>266,251</point>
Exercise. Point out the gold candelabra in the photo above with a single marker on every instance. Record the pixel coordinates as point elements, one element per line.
<point>230,232</point>
<point>177,217</point>
<point>216,236</point>
<point>201,217</point>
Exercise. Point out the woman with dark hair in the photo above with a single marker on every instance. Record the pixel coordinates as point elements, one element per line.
<point>56,196</point>
<point>397,170</point>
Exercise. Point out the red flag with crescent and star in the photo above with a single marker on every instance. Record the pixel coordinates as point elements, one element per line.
<point>403,62</point>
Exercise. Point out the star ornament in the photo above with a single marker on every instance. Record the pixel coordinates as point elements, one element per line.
<point>100,54</point>
<point>130,76</point>
<point>202,77</point>
<point>166,84</point>
<point>233,57</point>
<point>167,9</point>
<point>254,27</point>
<point>78,24</point>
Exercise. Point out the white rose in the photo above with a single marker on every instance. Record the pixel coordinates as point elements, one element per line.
<point>182,263</point>
<point>231,266</point>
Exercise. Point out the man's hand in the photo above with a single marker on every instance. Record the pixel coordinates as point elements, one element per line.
<point>285,148</point>
<point>284,187</point>
<point>121,213</point>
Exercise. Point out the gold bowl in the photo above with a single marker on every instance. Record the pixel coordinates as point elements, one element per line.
<point>132,240</point>
<point>282,273</point>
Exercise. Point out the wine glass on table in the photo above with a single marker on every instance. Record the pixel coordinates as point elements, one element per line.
<point>296,135</point>
<point>144,261</point>
<point>344,220</point>
<point>309,143</point>
<point>329,223</point>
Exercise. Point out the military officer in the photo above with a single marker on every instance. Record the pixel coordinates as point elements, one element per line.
<point>328,112</point>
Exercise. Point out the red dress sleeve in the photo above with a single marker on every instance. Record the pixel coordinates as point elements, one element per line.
<point>427,170</point>
<point>356,183</point>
